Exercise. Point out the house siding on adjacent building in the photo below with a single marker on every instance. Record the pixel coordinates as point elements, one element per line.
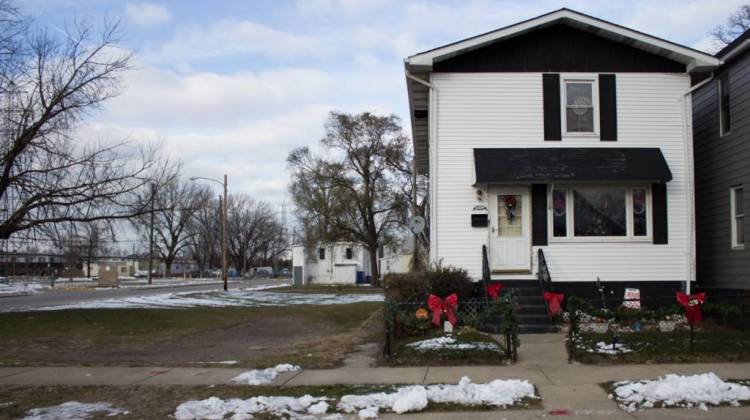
<point>722,162</point>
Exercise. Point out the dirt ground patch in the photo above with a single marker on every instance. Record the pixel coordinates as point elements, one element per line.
<point>309,335</point>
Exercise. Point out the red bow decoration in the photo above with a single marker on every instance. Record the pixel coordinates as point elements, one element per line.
<point>494,290</point>
<point>692,305</point>
<point>554,301</point>
<point>445,306</point>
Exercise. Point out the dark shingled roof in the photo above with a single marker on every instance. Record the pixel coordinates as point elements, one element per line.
<point>549,164</point>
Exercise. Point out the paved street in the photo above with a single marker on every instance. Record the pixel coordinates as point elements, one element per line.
<point>66,297</point>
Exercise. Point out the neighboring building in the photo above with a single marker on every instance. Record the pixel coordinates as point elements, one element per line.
<point>395,259</point>
<point>337,263</point>
<point>722,170</point>
<point>564,134</point>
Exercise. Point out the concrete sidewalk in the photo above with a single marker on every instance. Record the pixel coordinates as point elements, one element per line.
<point>571,390</point>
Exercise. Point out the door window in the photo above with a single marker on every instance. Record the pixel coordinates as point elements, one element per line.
<point>510,215</point>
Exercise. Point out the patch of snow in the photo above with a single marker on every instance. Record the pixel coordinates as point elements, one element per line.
<point>225,362</point>
<point>263,376</point>
<point>319,408</point>
<point>606,348</point>
<point>679,391</point>
<point>499,393</point>
<point>21,288</point>
<point>216,408</point>
<point>449,343</point>
<point>73,410</point>
<point>248,297</point>
<point>368,413</point>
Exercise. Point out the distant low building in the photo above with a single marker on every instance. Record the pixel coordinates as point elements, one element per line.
<point>335,263</point>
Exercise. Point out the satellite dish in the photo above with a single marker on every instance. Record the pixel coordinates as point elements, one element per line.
<point>416,224</point>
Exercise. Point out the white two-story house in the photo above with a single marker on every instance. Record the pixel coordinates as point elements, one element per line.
<point>566,134</point>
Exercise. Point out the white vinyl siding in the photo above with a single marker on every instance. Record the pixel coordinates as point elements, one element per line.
<point>486,110</point>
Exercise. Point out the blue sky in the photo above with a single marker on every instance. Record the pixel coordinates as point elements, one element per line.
<point>232,86</point>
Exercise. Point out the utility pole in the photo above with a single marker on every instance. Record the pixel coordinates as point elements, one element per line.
<point>151,235</point>
<point>224,238</point>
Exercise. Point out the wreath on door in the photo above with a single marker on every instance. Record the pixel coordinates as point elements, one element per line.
<point>510,206</point>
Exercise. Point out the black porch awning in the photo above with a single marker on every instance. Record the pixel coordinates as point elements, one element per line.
<point>589,164</point>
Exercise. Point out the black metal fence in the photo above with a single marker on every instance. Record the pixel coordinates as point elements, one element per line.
<point>730,310</point>
<point>471,312</point>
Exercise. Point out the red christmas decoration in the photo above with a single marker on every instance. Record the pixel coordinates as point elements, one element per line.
<point>692,305</point>
<point>554,302</point>
<point>493,290</point>
<point>445,306</point>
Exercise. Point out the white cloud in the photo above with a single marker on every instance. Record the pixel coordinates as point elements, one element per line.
<point>164,98</point>
<point>230,37</point>
<point>147,14</point>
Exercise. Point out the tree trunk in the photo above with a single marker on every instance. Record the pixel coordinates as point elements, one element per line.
<point>374,269</point>
<point>168,267</point>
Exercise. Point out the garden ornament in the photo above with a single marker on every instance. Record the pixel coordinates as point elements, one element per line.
<point>445,306</point>
<point>692,305</point>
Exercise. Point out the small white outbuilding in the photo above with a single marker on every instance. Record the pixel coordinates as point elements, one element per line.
<point>334,263</point>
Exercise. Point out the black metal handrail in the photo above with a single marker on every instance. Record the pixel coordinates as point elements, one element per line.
<point>545,279</point>
<point>485,271</point>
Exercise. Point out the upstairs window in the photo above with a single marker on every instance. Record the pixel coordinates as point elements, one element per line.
<point>321,253</point>
<point>738,218</point>
<point>349,254</point>
<point>725,119</point>
<point>580,106</point>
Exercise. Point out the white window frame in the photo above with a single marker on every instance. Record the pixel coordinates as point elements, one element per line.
<point>733,214</point>
<point>570,219</point>
<point>593,79</point>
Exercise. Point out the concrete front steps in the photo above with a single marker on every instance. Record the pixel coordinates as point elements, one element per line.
<point>532,315</point>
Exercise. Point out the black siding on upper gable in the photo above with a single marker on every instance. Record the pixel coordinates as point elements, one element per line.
<point>552,116</point>
<point>721,162</point>
<point>558,48</point>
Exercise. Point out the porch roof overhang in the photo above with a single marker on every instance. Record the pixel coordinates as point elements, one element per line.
<point>575,164</point>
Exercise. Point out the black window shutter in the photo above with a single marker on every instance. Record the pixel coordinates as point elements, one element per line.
<point>551,94</point>
<point>659,202</point>
<point>539,214</point>
<point>608,107</point>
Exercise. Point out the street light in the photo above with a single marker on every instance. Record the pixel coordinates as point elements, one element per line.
<point>223,227</point>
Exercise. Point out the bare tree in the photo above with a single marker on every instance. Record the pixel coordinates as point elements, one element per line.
<point>254,233</point>
<point>47,86</point>
<point>205,235</point>
<point>82,243</point>
<point>176,202</point>
<point>356,189</point>
<point>737,23</point>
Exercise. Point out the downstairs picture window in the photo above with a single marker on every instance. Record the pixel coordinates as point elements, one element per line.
<point>617,212</point>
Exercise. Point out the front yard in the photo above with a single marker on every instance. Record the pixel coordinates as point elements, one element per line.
<point>465,347</point>
<point>710,344</point>
<point>306,335</point>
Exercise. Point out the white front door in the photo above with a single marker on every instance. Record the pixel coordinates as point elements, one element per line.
<point>511,229</point>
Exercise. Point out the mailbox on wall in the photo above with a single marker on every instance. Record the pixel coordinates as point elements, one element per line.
<point>479,217</point>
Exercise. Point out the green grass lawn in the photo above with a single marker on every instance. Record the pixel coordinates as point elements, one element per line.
<point>302,333</point>
<point>404,355</point>
<point>160,402</point>
<point>338,289</point>
<point>711,344</point>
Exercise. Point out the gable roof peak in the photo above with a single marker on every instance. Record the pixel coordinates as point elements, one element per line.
<point>692,58</point>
